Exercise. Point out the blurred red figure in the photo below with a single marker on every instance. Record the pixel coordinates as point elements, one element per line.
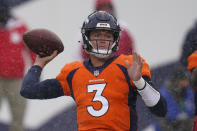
<point>14,59</point>
<point>126,43</point>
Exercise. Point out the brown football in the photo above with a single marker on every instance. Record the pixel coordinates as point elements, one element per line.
<point>43,42</point>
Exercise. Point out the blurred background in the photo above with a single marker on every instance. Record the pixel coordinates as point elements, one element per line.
<point>158,29</point>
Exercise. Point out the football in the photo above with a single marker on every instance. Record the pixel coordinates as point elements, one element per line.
<point>43,42</point>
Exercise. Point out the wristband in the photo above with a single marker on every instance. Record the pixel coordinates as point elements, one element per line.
<point>150,96</point>
<point>140,84</point>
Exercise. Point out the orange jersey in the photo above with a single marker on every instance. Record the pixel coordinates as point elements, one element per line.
<point>105,96</point>
<point>192,61</point>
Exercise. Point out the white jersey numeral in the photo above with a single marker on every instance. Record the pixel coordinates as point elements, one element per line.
<point>99,98</point>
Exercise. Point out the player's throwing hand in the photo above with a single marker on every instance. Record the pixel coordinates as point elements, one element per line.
<point>42,61</point>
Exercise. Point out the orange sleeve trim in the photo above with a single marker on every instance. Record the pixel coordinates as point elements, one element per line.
<point>145,69</point>
<point>62,79</point>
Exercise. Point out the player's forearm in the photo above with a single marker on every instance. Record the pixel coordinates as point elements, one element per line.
<point>151,97</point>
<point>160,109</point>
<point>30,79</point>
<point>33,89</point>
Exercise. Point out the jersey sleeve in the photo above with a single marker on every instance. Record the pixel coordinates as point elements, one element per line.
<point>192,61</point>
<point>145,69</point>
<point>63,75</point>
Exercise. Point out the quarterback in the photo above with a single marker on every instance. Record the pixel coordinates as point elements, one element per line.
<point>104,86</point>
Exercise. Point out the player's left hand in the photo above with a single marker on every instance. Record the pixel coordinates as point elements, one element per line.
<point>134,70</point>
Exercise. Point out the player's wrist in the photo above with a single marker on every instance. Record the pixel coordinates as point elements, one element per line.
<point>140,84</point>
<point>39,64</point>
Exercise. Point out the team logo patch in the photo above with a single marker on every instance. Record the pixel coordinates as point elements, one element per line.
<point>96,72</point>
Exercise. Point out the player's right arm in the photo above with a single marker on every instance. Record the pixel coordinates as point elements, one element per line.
<point>32,88</point>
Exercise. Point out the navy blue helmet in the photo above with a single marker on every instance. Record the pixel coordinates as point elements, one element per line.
<point>104,21</point>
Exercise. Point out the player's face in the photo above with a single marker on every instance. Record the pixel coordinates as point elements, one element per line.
<point>101,39</point>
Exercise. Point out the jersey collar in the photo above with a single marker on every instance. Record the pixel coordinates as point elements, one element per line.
<point>97,70</point>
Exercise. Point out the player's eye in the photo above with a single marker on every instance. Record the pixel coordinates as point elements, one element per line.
<point>97,35</point>
<point>108,36</point>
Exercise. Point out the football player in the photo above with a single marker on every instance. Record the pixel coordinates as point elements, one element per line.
<point>105,86</point>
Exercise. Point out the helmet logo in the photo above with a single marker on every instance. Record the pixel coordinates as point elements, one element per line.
<point>103,25</point>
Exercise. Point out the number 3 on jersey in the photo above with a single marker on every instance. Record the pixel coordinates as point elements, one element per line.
<point>98,98</point>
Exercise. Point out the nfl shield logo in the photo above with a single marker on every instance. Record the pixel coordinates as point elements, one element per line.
<point>96,72</point>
